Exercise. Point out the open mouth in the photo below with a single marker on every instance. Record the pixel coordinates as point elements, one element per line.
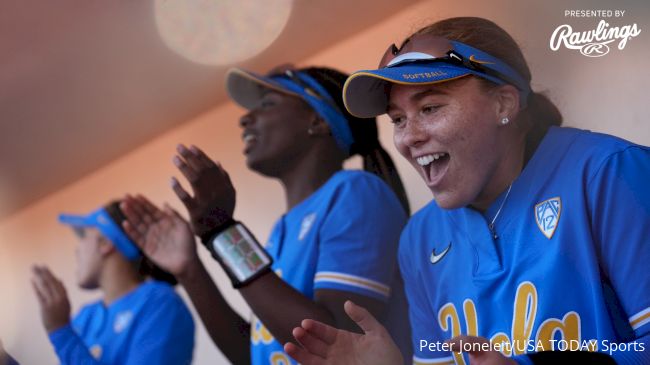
<point>249,139</point>
<point>434,166</point>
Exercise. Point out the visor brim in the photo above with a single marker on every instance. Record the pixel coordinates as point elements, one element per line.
<point>247,88</point>
<point>366,93</point>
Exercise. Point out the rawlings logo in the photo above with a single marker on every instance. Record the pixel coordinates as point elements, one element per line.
<point>593,43</point>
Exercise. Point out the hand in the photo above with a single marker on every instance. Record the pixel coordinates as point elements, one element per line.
<point>52,298</point>
<point>163,235</point>
<point>479,357</point>
<point>214,196</point>
<point>326,345</point>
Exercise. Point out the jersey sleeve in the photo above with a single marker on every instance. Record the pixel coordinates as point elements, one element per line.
<point>619,198</point>
<point>359,239</point>
<point>69,347</point>
<point>426,336</point>
<point>164,334</point>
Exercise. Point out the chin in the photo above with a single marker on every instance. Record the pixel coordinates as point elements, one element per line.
<point>87,284</point>
<point>263,167</point>
<point>448,200</point>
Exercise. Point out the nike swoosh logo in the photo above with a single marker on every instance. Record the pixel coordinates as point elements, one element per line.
<point>436,258</point>
<point>471,58</point>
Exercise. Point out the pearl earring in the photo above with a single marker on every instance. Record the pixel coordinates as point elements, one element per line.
<point>310,131</point>
<point>505,120</point>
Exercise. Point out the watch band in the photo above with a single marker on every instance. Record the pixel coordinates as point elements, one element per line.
<point>239,253</point>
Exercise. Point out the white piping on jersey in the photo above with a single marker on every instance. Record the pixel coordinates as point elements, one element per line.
<point>439,361</point>
<point>640,319</point>
<point>352,280</point>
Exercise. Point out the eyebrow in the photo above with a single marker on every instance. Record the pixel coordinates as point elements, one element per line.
<point>419,96</point>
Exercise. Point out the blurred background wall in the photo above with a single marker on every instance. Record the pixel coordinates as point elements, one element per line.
<point>78,134</point>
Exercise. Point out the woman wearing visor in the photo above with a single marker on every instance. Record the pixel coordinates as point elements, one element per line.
<point>337,241</point>
<point>137,321</point>
<point>537,235</point>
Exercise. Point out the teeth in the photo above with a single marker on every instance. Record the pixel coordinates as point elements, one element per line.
<point>249,137</point>
<point>425,160</point>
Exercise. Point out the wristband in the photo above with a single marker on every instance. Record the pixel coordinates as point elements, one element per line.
<point>239,253</point>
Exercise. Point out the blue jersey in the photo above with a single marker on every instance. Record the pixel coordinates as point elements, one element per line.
<point>568,266</point>
<point>150,325</point>
<point>342,237</point>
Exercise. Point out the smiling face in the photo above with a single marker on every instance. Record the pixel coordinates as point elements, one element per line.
<point>275,132</point>
<point>450,133</point>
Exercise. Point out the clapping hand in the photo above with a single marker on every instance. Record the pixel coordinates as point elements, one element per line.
<point>214,197</point>
<point>325,345</point>
<point>52,298</point>
<point>162,234</point>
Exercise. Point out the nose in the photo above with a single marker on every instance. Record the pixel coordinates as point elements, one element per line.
<point>414,134</point>
<point>246,120</point>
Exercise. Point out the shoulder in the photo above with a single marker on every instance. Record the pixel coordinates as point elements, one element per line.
<point>357,177</point>
<point>87,311</point>
<point>157,297</point>
<point>158,289</point>
<point>421,222</point>
<point>586,148</point>
<point>158,294</point>
<point>360,185</point>
<point>363,191</point>
<point>427,215</point>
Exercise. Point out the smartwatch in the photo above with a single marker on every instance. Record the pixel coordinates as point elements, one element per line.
<point>238,252</point>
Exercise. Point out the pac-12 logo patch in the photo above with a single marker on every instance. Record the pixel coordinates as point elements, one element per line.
<point>547,215</point>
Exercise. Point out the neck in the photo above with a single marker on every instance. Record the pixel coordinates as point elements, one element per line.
<point>118,278</point>
<point>508,170</point>
<point>306,177</point>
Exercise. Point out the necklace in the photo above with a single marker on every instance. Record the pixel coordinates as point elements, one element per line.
<point>491,225</point>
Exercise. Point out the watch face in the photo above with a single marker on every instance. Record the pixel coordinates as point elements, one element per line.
<point>240,252</point>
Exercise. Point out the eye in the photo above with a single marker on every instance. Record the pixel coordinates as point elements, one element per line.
<point>397,120</point>
<point>267,103</point>
<point>428,109</point>
<point>79,232</point>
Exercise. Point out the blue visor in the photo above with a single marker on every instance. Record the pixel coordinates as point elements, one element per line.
<point>101,220</point>
<point>366,92</point>
<point>247,89</point>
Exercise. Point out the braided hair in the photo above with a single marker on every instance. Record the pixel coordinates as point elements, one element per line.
<point>364,131</point>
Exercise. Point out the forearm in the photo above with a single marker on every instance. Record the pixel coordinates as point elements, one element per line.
<point>228,330</point>
<point>281,307</point>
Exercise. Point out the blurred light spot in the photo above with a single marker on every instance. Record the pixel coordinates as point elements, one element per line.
<point>220,32</point>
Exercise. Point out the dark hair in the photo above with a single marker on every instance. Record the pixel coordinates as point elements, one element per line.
<point>540,113</point>
<point>364,131</point>
<point>145,266</point>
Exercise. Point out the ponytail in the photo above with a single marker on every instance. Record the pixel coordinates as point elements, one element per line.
<point>364,132</point>
<point>379,162</point>
<point>539,115</point>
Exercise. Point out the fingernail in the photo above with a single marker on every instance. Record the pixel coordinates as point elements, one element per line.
<point>177,161</point>
<point>173,181</point>
<point>181,148</point>
<point>194,149</point>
